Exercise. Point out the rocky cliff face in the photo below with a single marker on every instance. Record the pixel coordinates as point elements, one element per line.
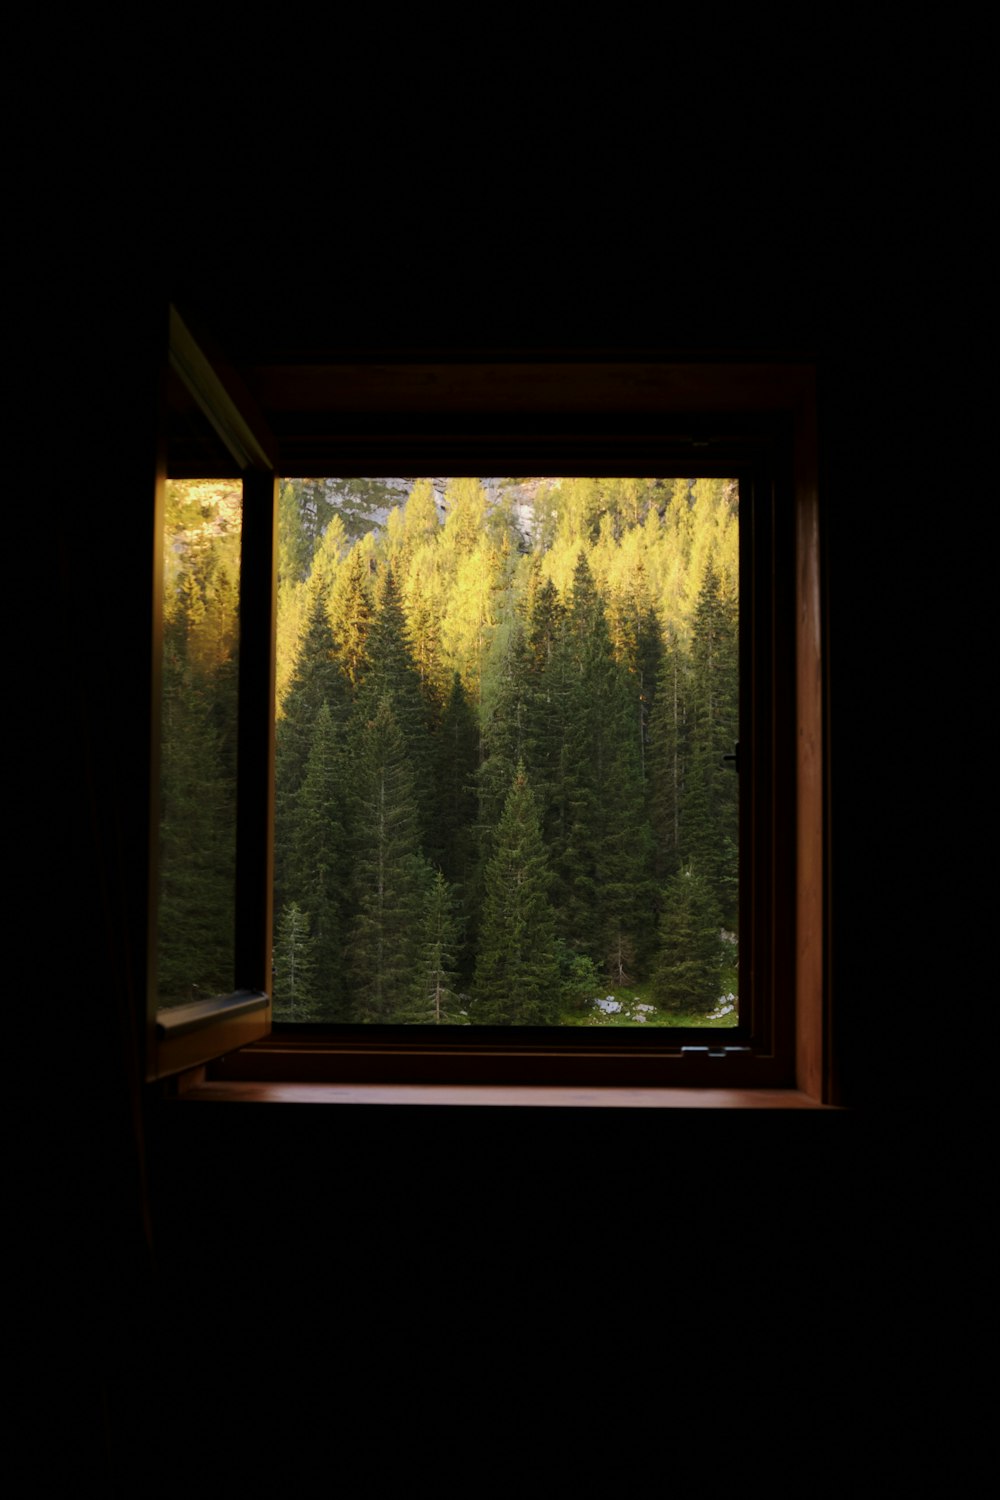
<point>383,495</point>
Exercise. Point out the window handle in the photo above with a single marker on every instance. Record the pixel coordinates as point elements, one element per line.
<point>734,759</point>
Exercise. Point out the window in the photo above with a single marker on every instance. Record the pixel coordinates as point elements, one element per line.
<point>754,423</point>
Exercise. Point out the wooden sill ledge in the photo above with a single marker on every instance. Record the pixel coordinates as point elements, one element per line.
<point>196,1088</point>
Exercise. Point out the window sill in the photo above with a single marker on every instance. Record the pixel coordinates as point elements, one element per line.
<point>493,1095</point>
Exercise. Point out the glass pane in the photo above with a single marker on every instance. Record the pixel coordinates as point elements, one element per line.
<point>502,711</point>
<point>198,739</point>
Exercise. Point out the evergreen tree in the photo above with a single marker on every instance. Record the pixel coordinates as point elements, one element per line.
<point>465,501</point>
<point>710,808</point>
<point>580,506</point>
<point>294,999</point>
<point>542,685</point>
<point>545,625</point>
<point>550,696</point>
<point>587,752</point>
<point>294,602</point>
<point>390,673</point>
<point>669,738</point>
<point>294,544</point>
<point>391,542</point>
<point>517,972</point>
<point>421,522</point>
<point>475,601</point>
<point>623,843</point>
<point>331,552</point>
<point>504,746</point>
<point>451,844</point>
<point>688,971</point>
<point>315,860</point>
<point>317,679</point>
<point>635,632</point>
<point>422,605</point>
<point>629,499</point>
<point>389,874</point>
<point>436,1000</point>
<point>196,911</point>
<point>351,614</point>
<point>504,736</point>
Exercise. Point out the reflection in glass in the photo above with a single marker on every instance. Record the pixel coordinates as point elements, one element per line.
<point>198,740</point>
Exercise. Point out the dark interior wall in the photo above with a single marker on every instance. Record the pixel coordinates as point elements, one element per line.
<point>359,1273</point>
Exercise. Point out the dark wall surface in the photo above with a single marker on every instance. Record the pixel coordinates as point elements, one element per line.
<point>484,1298</point>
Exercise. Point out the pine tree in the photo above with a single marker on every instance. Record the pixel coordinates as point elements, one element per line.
<point>623,842</point>
<point>389,873</point>
<point>475,601</point>
<point>504,736</point>
<point>350,615</point>
<point>550,696</point>
<point>580,506</point>
<point>465,500</point>
<point>688,971</point>
<point>437,1000</point>
<point>635,632</point>
<point>503,745</point>
<point>294,543</point>
<point>197,832</point>
<point>420,516</point>
<point>710,805</point>
<point>293,967</point>
<point>315,861</point>
<point>543,679</point>
<point>390,673</point>
<point>451,841</point>
<point>596,825</point>
<point>517,973</point>
<point>317,679</point>
<point>422,605</point>
<point>668,755</point>
<point>330,554</point>
<point>545,625</point>
<point>579,755</point>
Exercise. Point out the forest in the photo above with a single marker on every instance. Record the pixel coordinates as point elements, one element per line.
<point>503,713</point>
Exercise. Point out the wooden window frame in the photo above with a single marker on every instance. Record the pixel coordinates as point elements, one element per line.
<point>185,1037</point>
<point>757,422</point>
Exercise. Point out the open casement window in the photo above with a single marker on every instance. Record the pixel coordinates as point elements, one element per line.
<point>213,681</point>
<point>751,423</point>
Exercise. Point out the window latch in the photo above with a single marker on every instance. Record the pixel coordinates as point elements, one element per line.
<point>734,759</point>
<point>716,1051</point>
